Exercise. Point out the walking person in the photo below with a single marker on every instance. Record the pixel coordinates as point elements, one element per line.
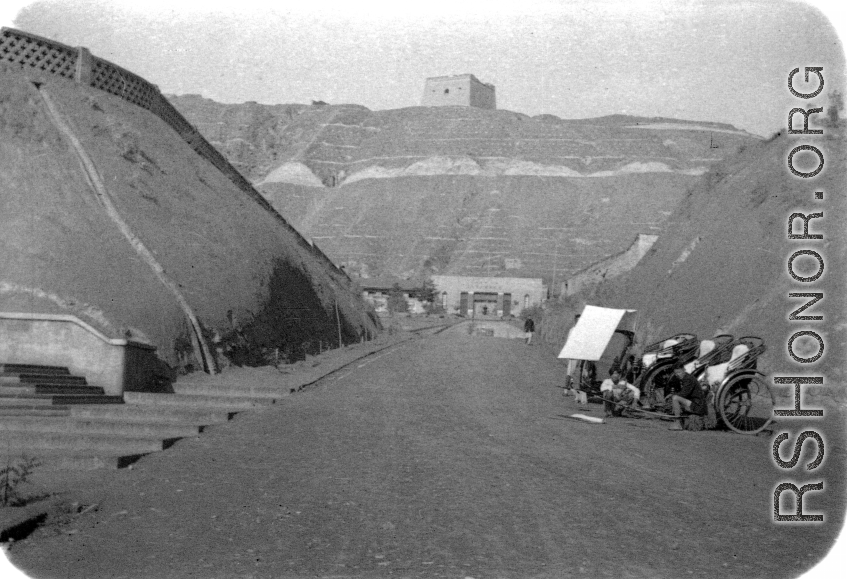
<point>529,329</point>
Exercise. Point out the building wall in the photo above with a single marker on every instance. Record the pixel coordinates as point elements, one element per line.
<point>460,90</point>
<point>482,95</point>
<point>524,291</point>
<point>379,300</point>
<point>610,267</point>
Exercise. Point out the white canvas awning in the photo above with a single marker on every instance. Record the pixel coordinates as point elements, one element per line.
<point>593,330</point>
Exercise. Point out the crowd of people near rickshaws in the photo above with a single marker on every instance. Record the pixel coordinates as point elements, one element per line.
<point>681,377</point>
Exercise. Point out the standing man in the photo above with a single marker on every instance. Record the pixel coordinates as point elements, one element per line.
<point>689,396</point>
<point>529,328</point>
<point>614,389</point>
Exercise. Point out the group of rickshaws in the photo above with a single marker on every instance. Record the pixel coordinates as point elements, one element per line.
<point>725,367</point>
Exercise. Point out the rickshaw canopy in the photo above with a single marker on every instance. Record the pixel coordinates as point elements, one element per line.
<point>593,331</point>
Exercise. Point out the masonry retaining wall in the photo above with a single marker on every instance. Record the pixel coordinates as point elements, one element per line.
<point>63,340</point>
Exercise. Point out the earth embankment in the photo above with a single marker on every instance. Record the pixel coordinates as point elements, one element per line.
<point>253,283</point>
<point>722,261</point>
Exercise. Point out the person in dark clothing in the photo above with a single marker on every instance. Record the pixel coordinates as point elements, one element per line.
<point>529,328</point>
<point>689,396</point>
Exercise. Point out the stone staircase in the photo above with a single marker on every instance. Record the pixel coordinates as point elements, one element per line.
<point>24,387</point>
<point>67,424</point>
<point>62,420</point>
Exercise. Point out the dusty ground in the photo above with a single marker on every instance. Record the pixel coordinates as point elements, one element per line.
<point>446,456</point>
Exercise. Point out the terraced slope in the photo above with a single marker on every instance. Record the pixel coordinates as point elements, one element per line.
<point>464,190</point>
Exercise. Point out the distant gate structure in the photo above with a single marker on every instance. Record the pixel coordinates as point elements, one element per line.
<point>463,90</point>
<point>476,296</point>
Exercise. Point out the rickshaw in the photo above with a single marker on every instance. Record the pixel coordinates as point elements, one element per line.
<point>739,393</point>
<point>657,363</point>
<point>725,367</point>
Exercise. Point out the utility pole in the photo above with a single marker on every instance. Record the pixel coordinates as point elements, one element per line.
<point>338,321</point>
<point>555,263</point>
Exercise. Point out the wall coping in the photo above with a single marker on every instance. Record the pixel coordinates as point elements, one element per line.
<point>37,317</point>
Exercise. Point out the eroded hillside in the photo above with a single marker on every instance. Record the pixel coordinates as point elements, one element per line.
<point>464,190</point>
<point>721,263</point>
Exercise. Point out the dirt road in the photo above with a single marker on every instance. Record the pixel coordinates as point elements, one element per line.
<point>445,457</point>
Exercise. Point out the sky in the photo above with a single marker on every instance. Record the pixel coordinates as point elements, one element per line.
<point>716,60</point>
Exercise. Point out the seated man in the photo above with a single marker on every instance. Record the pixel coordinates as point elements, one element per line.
<point>614,389</point>
<point>689,396</point>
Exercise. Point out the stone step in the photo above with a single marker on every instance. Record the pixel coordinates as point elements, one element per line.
<point>84,426</point>
<point>28,410</point>
<point>230,390</point>
<point>67,460</point>
<point>49,389</point>
<point>231,403</point>
<point>16,378</point>
<point>32,443</point>
<point>86,399</point>
<point>149,414</point>
<point>49,399</point>
<point>35,368</point>
<point>22,402</point>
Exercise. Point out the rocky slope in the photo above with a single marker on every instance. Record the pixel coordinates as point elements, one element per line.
<point>463,190</point>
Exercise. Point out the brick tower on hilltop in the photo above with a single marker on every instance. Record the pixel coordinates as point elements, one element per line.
<point>461,90</point>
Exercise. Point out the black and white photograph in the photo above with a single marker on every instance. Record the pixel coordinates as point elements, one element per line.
<point>457,289</point>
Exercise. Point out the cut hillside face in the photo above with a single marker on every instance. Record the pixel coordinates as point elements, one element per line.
<point>253,284</point>
<point>721,263</point>
<point>462,190</point>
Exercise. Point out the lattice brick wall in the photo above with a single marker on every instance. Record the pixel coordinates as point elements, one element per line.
<point>117,81</point>
<point>27,50</point>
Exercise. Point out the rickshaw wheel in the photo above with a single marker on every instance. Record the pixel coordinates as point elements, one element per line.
<point>745,404</point>
<point>654,380</point>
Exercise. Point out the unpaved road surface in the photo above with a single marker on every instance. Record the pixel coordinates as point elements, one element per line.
<point>449,456</point>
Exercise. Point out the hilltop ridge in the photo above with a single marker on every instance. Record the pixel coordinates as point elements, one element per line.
<point>463,190</point>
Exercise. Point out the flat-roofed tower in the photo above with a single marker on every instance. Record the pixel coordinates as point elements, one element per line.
<point>461,90</point>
